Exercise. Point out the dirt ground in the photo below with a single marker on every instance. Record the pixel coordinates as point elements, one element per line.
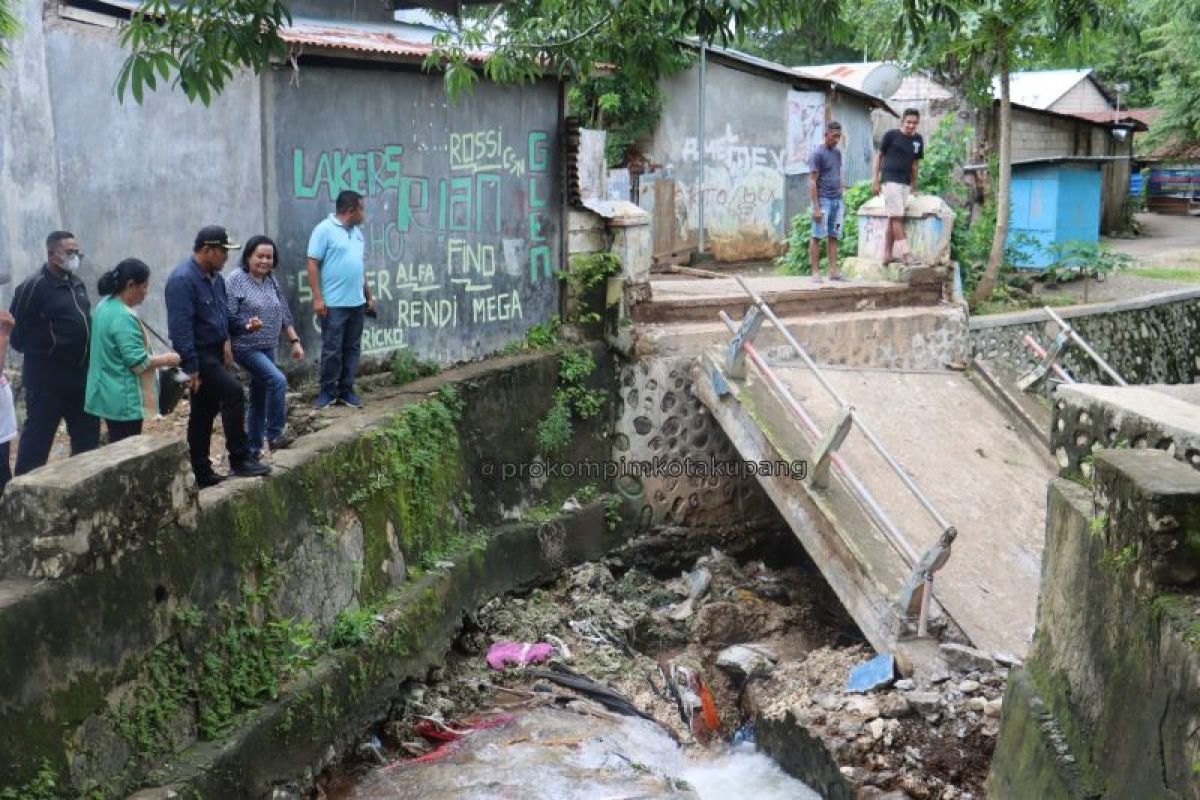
<point>1166,254</point>
<point>302,419</point>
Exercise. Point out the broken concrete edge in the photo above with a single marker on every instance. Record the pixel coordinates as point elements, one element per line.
<point>338,490</point>
<point>1006,397</point>
<point>78,515</point>
<point>321,716</point>
<point>802,755</point>
<point>834,298</point>
<point>867,590</point>
<point>1107,703</point>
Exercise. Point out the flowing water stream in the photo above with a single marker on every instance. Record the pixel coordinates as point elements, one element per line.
<point>553,754</point>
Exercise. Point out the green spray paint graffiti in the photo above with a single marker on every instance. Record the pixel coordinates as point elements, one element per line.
<point>462,249</point>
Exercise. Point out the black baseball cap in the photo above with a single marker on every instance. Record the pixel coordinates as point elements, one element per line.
<point>214,236</point>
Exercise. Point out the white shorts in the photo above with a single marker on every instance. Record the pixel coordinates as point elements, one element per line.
<point>8,412</point>
<point>894,197</point>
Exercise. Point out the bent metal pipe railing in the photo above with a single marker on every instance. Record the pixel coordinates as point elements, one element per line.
<point>923,566</point>
<point>1067,335</point>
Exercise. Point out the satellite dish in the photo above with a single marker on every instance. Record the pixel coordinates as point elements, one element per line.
<point>883,81</point>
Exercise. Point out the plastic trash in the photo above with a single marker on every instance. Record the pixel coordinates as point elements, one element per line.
<point>878,673</point>
<point>746,659</point>
<point>698,581</point>
<point>502,654</point>
<point>747,734</point>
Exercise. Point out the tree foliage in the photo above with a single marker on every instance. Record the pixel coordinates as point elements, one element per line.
<point>614,53</point>
<point>199,44</point>
<point>1174,39</point>
<point>8,28</point>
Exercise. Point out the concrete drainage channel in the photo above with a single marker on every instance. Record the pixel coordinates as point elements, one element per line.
<point>655,672</point>
<point>172,639</point>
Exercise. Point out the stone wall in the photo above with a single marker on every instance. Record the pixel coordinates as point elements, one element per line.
<point>134,657</point>
<point>1153,339</point>
<point>1108,704</point>
<point>1088,418</point>
<point>662,425</point>
<point>662,419</point>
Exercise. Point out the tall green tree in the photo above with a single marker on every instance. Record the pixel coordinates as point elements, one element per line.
<point>968,43</point>
<point>1174,39</point>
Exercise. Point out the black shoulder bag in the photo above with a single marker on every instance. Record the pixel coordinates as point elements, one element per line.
<point>172,381</point>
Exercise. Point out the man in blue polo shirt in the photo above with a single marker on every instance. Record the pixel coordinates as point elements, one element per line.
<point>199,325</point>
<point>341,297</point>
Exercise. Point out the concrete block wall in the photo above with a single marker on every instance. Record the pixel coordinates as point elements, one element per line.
<point>1153,339</point>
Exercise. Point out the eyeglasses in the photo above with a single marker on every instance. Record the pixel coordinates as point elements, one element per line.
<point>70,253</point>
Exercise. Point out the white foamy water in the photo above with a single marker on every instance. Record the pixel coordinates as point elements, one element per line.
<point>548,754</point>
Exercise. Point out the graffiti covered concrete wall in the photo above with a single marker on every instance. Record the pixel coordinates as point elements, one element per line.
<point>463,224</point>
<point>465,264</point>
<point>748,199</point>
<point>744,158</point>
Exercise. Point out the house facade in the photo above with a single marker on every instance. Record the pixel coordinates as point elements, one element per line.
<point>751,168</point>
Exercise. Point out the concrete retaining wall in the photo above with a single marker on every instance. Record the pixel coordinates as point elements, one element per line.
<point>1107,703</point>
<point>132,661</point>
<point>1153,339</point>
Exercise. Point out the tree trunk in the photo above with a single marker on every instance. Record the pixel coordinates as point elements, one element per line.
<point>1003,195</point>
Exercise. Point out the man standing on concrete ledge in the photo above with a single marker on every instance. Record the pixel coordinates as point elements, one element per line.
<point>896,164</point>
<point>52,328</point>
<point>199,325</point>
<point>825,179</point>
<point>341,297</point>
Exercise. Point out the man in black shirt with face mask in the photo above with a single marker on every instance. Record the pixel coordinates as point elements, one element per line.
<point>52,329</point>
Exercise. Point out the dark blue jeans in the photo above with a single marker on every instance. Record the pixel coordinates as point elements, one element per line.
<point>5,468</point>
<point>267,413</point>
<point>341,346</point>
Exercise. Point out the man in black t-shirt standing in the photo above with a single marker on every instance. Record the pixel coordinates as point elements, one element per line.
<point>895,176</point>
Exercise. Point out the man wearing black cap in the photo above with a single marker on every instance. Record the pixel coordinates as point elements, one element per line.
<point>200,326</point>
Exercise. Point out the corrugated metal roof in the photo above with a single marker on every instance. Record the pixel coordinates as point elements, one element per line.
<point>866,76</point>
<point>406,42</point>
<point>780,72</point>
<point>1135,117</point>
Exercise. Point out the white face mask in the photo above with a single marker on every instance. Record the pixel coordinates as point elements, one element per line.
<point>71,264</point>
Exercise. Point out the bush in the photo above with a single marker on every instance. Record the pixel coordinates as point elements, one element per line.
<point>795,260</point>
<point>407,368</point>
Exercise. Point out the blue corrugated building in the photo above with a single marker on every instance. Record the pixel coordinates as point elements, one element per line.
<point>1054,201</point>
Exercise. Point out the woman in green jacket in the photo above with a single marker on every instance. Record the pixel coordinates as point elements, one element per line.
<point>121,360</point>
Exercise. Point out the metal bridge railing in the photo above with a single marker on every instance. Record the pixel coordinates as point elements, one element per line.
<point>1049,357</point>
<point>918,589</point>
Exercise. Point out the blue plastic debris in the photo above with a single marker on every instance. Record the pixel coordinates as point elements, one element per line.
<point>745,734</point>
<point>878,673</point>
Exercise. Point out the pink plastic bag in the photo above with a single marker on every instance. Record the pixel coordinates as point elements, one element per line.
<point>501,654</point>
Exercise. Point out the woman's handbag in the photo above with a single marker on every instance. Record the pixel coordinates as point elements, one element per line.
<point>172,381</point>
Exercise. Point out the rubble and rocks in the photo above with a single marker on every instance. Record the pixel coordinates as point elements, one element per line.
<point>922,738</point>
<point>755,644</point>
